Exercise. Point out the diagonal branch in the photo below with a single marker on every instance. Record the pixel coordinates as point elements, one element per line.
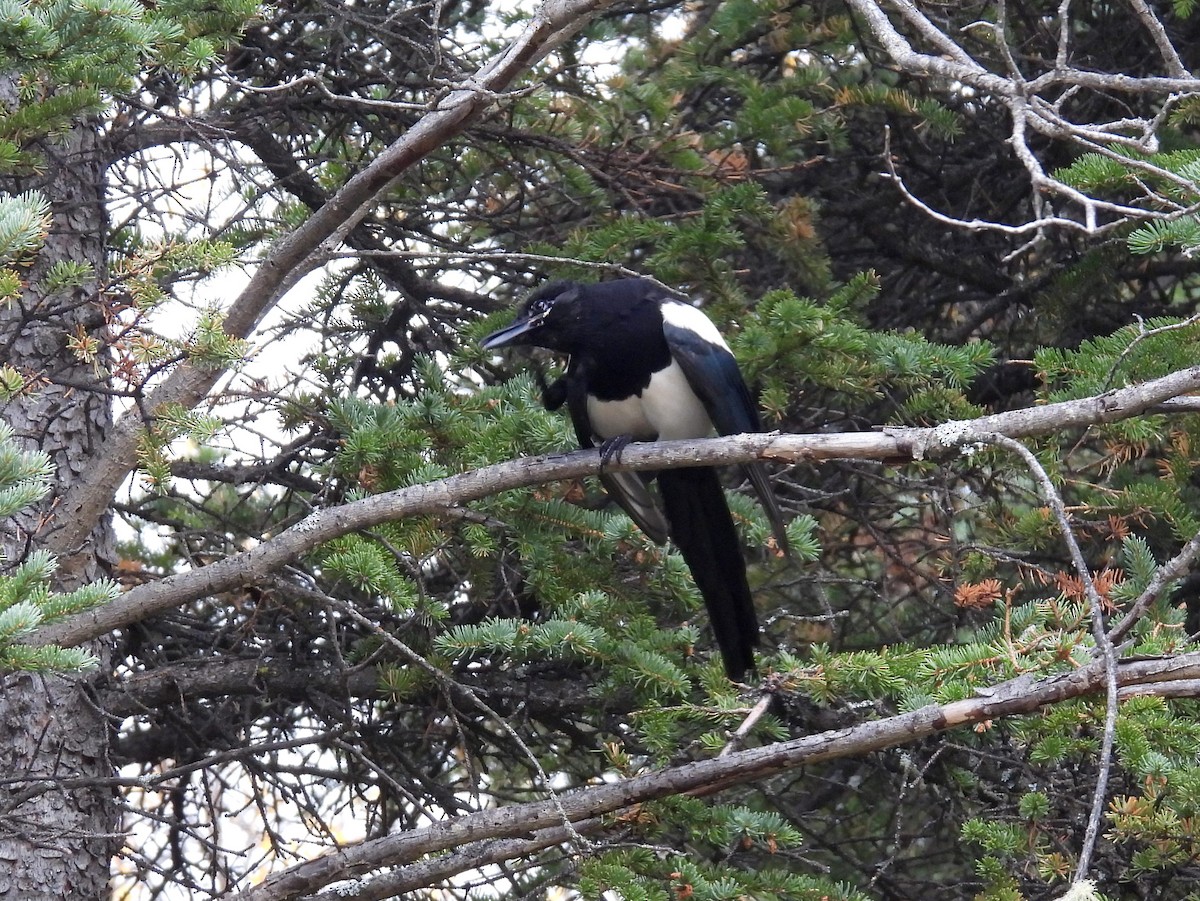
<point>1168,573</point>
<point>440,870</point>
<point>705,777</point>
<point>290,258</point>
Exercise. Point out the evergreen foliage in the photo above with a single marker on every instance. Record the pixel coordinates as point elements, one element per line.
<point>26,600</point>
<point>68,57</point>
<point>24,221</point>
<point>749,154</point>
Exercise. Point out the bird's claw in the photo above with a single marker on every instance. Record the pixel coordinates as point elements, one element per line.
<point>611,449</point>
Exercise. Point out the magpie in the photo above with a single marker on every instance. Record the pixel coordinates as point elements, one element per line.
<point>645,366</point>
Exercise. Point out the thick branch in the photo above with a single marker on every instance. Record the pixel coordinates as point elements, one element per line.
<point>473,856</point>
<point>230,677</point>
<point>956,65</point>
<point>437,497</point>
<point>1017,696</point>
<point>293,255</point>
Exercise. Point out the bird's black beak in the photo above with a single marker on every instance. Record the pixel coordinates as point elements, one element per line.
<point>513,334</point>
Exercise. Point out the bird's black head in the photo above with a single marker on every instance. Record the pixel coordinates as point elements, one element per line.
<point>545,319</point>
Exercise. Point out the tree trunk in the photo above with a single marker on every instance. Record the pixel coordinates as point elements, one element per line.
<point>57,826</point>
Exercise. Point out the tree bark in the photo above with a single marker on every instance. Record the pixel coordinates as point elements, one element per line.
<point>57,838</point>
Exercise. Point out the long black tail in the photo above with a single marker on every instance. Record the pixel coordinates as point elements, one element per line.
<point>703,530</point>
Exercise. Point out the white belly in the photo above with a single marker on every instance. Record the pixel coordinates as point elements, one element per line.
<point>666,409</point>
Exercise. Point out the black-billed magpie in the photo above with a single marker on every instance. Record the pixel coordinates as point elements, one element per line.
<point>645,366</point>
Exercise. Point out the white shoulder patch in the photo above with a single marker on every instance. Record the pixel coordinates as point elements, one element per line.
<point>685,316</point>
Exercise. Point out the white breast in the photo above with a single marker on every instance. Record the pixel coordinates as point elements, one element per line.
<point>667,409</point>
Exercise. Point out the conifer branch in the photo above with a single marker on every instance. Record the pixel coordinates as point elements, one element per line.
<point>1164,576</point>
<point>526,822</point>
<point>444,495</point>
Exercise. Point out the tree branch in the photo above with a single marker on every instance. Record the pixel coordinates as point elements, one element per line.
<point>705,777</point>
<point>196,680</point>
<point>1035,105</point>
<point>432,498</point>
<point>1173,569</point>
<point>471,856</point>
<point>1108,654</point>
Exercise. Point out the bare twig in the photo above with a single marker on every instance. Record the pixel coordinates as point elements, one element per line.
<point>1037,225</point>
<point>757,712</point>
<point>1141,336</point>
<point>456,688</point>
<point>1036,105</point>
<point>1158,34</point>
<point>1108,654</point>
<point>1064,35</point>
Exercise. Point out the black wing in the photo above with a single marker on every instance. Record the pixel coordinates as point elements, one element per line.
<point>713,374</point>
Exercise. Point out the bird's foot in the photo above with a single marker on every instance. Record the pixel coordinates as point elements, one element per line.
<point>554,394</point>
<point>611,449</point>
